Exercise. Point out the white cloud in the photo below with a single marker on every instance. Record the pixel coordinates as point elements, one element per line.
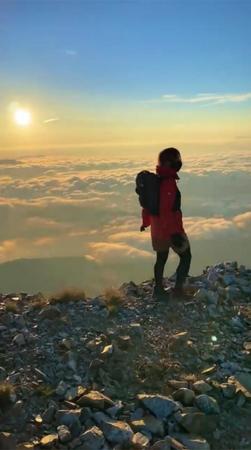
<point>51,119</point>
<point>205,98</point>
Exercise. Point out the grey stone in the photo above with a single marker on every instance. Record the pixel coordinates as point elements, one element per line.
<point>95,399</point>
<point>201,387</point>
<point>141,440</point>
<point>207,404</point>
<point>159,405</point>
<point>64,433</point>
<point>150,424</point>
<point>115,431</point>
<point>184,395</point>
<point>92,439</point>
<point>19,339</point>
<point>61,388</point>
<point>50,312</point>
<point>48,414</point>
<point>192,443</point>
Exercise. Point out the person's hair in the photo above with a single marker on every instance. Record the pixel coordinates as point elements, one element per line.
<point>168,154</point>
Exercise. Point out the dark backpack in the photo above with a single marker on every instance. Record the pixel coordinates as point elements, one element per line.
<point>148,190</point>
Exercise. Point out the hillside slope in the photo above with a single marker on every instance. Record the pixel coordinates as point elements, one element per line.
<point>122,371</point>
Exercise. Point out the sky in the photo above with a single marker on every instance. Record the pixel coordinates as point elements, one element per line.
<point>101,74</point>
<point>90,92</point>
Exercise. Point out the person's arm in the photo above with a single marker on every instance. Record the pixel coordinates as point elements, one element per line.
<point>146,219</point>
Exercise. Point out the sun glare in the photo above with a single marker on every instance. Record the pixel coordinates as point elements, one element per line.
<point>22,117</point>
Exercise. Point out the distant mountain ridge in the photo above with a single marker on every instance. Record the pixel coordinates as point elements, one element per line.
<point>56,273</point>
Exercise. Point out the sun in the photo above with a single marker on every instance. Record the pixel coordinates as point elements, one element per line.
<point>22,117</point>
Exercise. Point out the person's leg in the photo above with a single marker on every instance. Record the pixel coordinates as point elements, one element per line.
<point>183,268</point>
<point>183,250</point>
<point>161,258</point>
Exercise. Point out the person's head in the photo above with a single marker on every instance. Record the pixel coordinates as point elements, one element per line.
<point>170,157</point>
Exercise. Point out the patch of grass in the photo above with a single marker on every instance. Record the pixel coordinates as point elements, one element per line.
<point>39,302</point>
<point>68,295</point>
<point>113,299</point>
<point>45,390</point>
<point>6,392</point>
<point>11,306</point>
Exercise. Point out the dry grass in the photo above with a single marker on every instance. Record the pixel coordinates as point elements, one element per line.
<point>39,302</point>
<point>68,295</point>
<point>11,306</point>
<point>45,390</point>
<point>6,391</point>
<point>113,299</point>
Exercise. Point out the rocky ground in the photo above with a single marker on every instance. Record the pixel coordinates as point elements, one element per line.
<point>122,371</point>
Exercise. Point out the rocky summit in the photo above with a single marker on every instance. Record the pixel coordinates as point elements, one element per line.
<point>124,371</point>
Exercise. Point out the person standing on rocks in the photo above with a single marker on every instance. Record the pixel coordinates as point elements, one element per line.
<point>167,229</point>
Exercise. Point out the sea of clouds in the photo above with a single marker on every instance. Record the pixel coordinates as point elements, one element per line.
<point>75,206</point>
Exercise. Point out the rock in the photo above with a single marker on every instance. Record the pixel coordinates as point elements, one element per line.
<point>3,374</point>
<point>161,445</point>
<point>184,395</point>
<point>201,387</point>
<point>61,388</point>
<point>232,292</point>
<point>124,342</point>
<point>196,423</point>
<point>137,414</point>
<point>49,440</point>
<point>64,433</point>
<point>177,384</point>
<point>150,424</point>
<point>114,410</point>
<point>115,431</point>
<point>95,399</point>
<point>19,339</point>
<point>70,418</point>
<point>201,295</point>
<point>212,297</point>
<point>92,439</point>
<point>48,414</point>
<point>159,405</point>
<point>71,393</point>
<point>136,329</point>
<point>243,383</point>
<point>192,443</point>
<point>23,446</point>
<point>241,400</point>
<point>38,419</point>
<point>107,351</point>
<point>140,440</point>
<point>228,279</point>
<point>71,361</point>
<point>50,312</point>
<point>178,341</point>
<point>228,390</point>
<point>7,441</point>
<point>207,404</point>
<point>247,346</point>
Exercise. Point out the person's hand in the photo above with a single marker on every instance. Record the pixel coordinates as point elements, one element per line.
<point>142,228</point>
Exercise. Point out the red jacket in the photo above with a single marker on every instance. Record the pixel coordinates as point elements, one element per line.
<point>168,222</point>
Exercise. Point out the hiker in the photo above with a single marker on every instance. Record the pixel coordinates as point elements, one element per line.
<point>167,229</point>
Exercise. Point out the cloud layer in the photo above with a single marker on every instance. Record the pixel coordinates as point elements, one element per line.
<point>57,207</point>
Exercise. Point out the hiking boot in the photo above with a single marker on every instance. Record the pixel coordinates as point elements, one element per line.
<point>159,293</point>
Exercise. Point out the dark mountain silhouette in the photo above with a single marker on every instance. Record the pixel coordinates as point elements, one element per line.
<point>56,273</point>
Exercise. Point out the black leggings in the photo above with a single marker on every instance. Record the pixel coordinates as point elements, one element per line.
<point>181,271</point>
